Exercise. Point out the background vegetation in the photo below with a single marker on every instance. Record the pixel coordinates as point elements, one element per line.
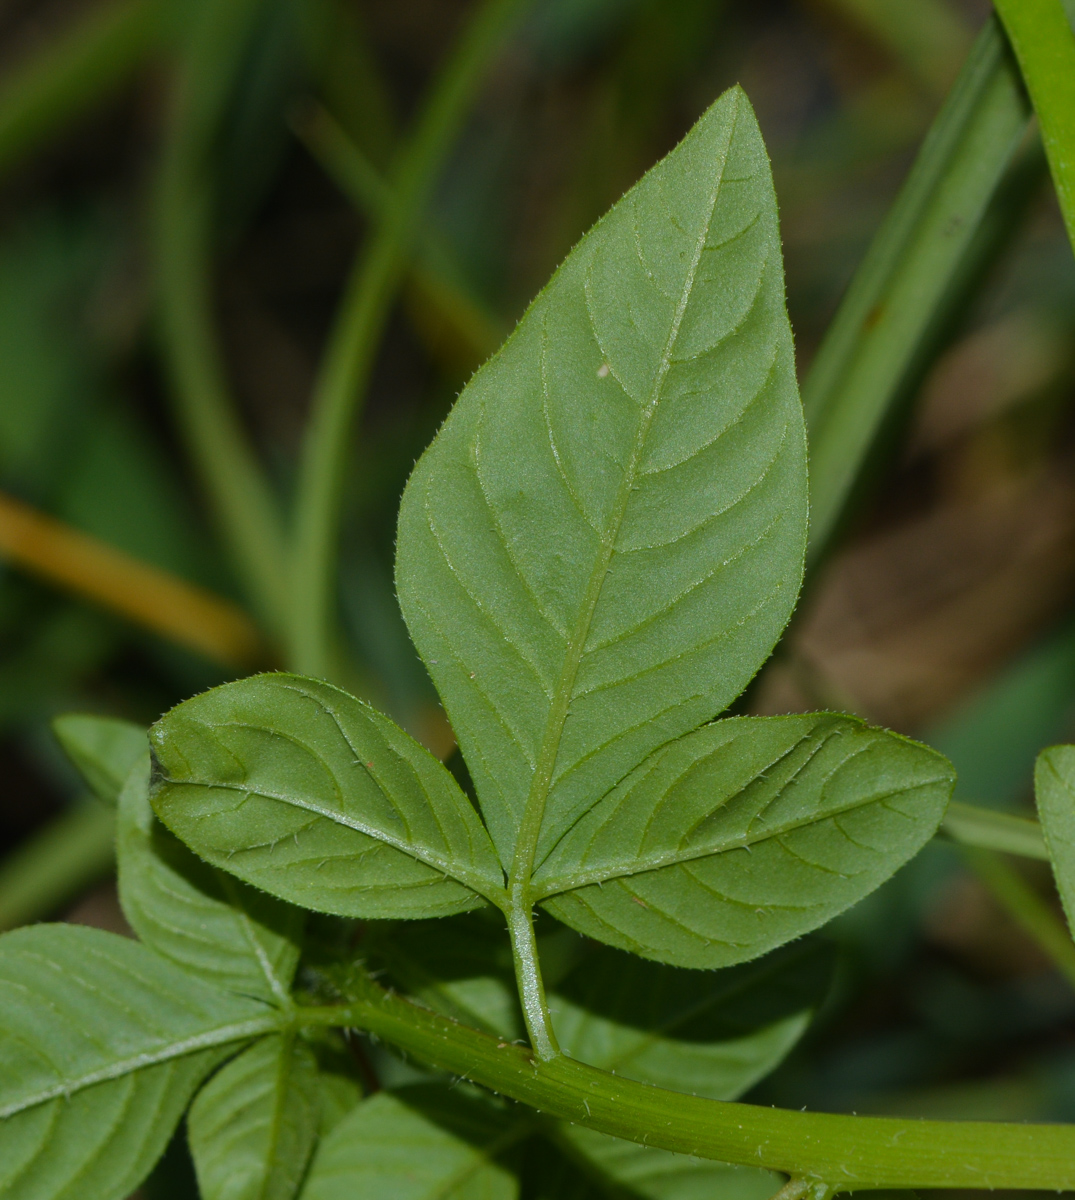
<point>182,205</point>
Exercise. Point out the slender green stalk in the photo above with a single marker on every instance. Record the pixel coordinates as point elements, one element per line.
<point>529,981</point>
<point>239,494</point>
<point>1044,44</point>
<point>987,829</point>
<point>352,346</point>
<point>70,853</point>
<point>844,1152</point>
<point>1024,904</point>
<point>890,312</point>
<point>90,62</point>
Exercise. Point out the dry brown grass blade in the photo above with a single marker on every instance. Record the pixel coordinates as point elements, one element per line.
<point>146,595</point>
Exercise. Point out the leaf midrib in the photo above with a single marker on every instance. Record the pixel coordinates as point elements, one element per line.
<point>541,781</point>
<point>641,866</point>
<point>236,1032</point>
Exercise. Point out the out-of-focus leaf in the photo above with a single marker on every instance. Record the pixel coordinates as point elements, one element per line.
<point>645,410</point>
<point>102,1044</point>
<point>302,790</point>
<point>1054,787</point>
<point>420,1143</point>
<point>204,920</point>
<point>708,1033</point>
<point>743,835</point>
<point>253,1127</point>
<point>104,749</point>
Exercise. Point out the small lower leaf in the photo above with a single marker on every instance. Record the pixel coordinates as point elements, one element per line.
<point>253,1127</point>
<point>102,1044</point>
<point>743,835</point>
<point>420,1143</point>
<point>307,793</point>
<point>104,749</point>
<point>195,914</point>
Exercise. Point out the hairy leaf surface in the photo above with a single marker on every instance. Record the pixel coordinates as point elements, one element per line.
<point>102,1043</point>
<point>1054,790</point>
<point>604,541</point>
<point>104,749</point>
<point>253,1127</point>
<point>743,835</point>
<point>420,1143</point>
<point>305,792</point>
<point>195,914</point>
<point>712,1034</point>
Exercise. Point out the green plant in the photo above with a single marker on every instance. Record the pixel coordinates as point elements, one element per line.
<point>596,917</point>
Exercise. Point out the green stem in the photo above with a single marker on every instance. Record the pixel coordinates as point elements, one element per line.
<point>238,491</point>
<point>528,978</point>
<point>87,64</point>
<point>1044,43</point>
<point>986,829</point>
<point>888,318</point>
<point>1024,904</point>
<point>56,863</point>
<point>845,1152</point>
<point>353,343</point>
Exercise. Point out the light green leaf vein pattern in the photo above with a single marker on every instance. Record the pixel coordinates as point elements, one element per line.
<point>605,539</point>
<point>743,835</point>
<point>1054,790</point>
<point>421,1143</point>
<point>302,790</point>
<point>708,1033</point>
<point>194,914</point>
<point>102,1044</point>
<point>252,1128</point>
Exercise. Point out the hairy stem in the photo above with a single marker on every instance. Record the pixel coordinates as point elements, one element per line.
<point>842,1152</point>
<point>528,976</point>
<point>352,345</point>
<point>238,491</point>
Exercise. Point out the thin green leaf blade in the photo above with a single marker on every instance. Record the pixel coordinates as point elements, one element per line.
<point>102,1044</point>
<point>305,792</point>
<point>196,915</point>
<point>252,1128</point>
<point>1054,791</point>
<point>420,1143</point>
<point>744,835</point>
<point>712,1034</point>
<point>605,540</point>
<point>103,749</point>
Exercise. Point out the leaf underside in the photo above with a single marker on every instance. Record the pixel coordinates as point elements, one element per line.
<point>301,790</point>
<point>604,541</point>
<point>102,1044</point>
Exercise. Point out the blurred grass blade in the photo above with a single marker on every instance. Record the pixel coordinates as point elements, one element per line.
<point>236,485</point>
<point>1026,907</point>
<point>1044,44</point>
<point>364,310</point>
<point>55,864</point>
<point>90,61</point>
<point>893,303</point>
<point>475,332</point>
<point>989,830</point>
<point>146,595</point>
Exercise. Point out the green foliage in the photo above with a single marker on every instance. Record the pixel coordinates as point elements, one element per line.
<point>102,1044</point>
<point>254,1125</point>
<point>103,749</point>
<point>306,792</point>
<point>1054,789</point>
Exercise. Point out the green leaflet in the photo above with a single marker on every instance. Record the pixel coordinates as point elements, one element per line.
<point>604,541</point>
<point>420,1143</point>
<point>102,1044</point>
<point>710,1034</point>
<point>196,915</point>
<point>104,749</point>
<point>745,834</point>
<point>303,791</point>
<point>253,1127</point>
<point>620,1169</point>
<point>1054,791</point>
